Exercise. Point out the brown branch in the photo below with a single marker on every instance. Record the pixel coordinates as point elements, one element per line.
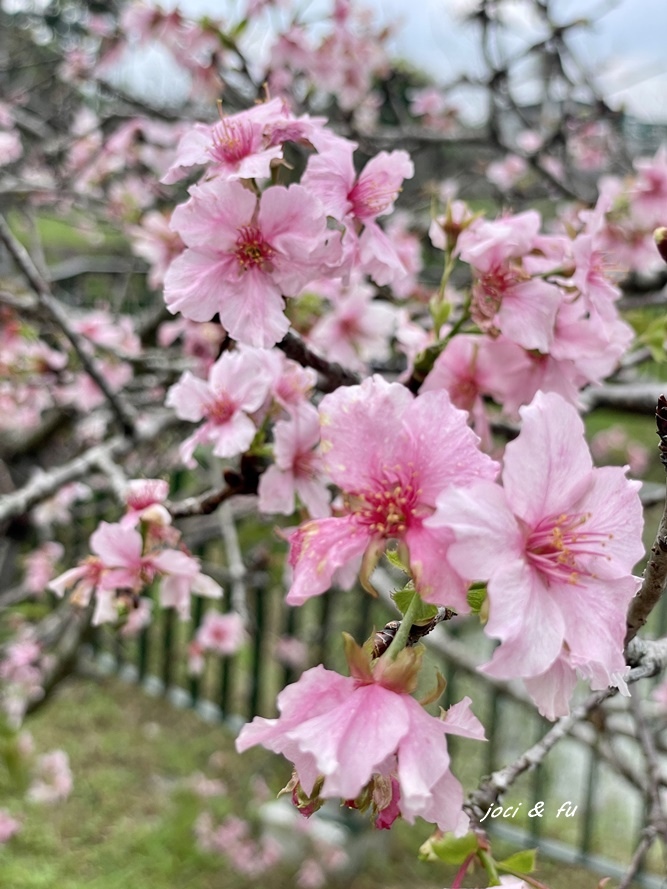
<point>645,843</point>
<point>499,782</point>
<point>47,483</point>
<point>201,504</point>
<point>655,572</point>
<point>333,374</point>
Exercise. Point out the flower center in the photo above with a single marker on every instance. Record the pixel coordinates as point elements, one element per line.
<point>232,141</point>
<point>252,249</point>
<point>391,506</point>
<point>555,547</point>
<point>306,465</point>
<point>221,408</point>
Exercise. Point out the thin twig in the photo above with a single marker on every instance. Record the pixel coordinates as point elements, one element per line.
<point>499,782</point>
<point>656,569</point>
<point>46,484</point>
<point>645,843</point>
<point>334,374</point>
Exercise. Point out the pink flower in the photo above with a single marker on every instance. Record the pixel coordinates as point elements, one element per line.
<point>297,470</point>
<point>473,366</point>
<point>236,147</point>
<point>349,729</point>
<point>358,201</point>
<point>8,826</point>
<point>356,329</point>
<point>53,782</point>
<point>506,297</point>
<point>238,384</point>
<point>243,255</point>
<point>11,147</point>
<point>39,566</point>
<point>594,266</point>
<point>222,634</point>
<point>557,545</point>
<point>506,173</point>
<point>392,454</point>
<point>124,563</point>
<point>154,241</point>
<point>144,498</point>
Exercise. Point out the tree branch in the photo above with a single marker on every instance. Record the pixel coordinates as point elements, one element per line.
<point>333,374</point>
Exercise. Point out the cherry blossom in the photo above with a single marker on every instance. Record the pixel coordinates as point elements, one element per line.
<point>357,328</point>
<point>244,255</point>
<point>222,634</point>
<point>391,454</point>
<point>8,826</point>
<point>124,563</point>
<point>237,386</point>
<point>297,469</point>
<point>348,729</point>
<point>505,295</point>
<point>557,544</point>
<point>236,147</point>
<point>53,782</point>
<point>357,201</point>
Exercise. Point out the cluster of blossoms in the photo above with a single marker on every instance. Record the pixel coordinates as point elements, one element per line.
<point>282,839</point>
<point>36,378</point>
<point>370,469</point>
<point>246,251</point>
<point>131,555</point>
<point>545,305</point>
<point>21,670</point>
<point>541,318</point>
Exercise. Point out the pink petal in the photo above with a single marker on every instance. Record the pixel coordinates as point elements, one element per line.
<point>116,545</point>
<point>374,410</point>
<point>350,741</point>
<point>252,310</point>
<point>548,466</point>
<point>196,282</point>
<point>486,531</point>
<point>528,620</point>
<point>317,549</point>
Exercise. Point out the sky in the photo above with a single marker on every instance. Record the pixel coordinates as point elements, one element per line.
<point>625,45</point>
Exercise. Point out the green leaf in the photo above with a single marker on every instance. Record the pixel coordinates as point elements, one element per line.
<point>476,597</point>
<point>394,559</point>
<point>403,598</point>
<point>523,862</point>
<point>450,849</point>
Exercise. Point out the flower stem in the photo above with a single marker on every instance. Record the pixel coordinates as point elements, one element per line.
<point>399,641</point>
<point>489,866</point>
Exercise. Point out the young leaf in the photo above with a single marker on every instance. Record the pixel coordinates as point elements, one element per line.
<point>404,597</point>
<point>448,848</point>
<point>523,862</point>
<point>476,597</point>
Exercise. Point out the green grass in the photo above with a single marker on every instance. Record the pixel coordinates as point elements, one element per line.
<point>126,824</point>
